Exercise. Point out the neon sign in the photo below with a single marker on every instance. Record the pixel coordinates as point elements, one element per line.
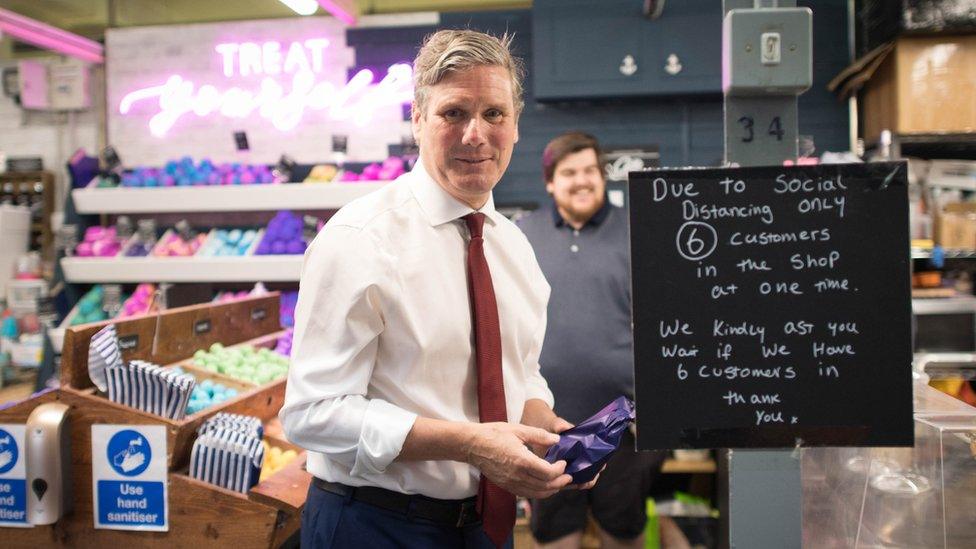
<point>266,58</point>
<point>357,100</point>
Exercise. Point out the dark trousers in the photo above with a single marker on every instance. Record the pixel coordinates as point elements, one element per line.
<point>334,521</point>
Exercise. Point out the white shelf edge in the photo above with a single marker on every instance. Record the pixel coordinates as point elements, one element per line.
<point>224,198</point>
<point>266,268</point>
<point>948,253</point>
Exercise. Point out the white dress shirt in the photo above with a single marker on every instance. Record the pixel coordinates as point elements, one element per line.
<point>383,335</point>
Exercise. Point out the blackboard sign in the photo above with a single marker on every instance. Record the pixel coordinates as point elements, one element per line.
<point>772,306</point>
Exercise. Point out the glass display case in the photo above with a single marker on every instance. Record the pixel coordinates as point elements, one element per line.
<point>921,497</point>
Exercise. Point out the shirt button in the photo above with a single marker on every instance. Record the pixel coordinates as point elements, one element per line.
<point>575,232</point>
<point>574,248</point>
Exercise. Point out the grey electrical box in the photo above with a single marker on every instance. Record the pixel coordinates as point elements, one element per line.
<point>767,51</point>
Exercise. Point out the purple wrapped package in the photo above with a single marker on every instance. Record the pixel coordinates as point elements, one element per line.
<point>587,446</point>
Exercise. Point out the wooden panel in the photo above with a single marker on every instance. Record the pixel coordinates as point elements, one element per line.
<point>200,515</point>
<point>202,374</point>
<point>675,466</point>
<point>199,512</point>
<point>232,322</point>
<point>523,535</point>
<point>259,401</point>
<point>880,99</point>
<point>285,489</point>
<point>262,402</point>
<point>86,409</point>
<point>273,429</point>
<point>288,524</point>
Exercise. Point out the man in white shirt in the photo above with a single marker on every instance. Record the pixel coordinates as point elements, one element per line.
<point>415,380</point>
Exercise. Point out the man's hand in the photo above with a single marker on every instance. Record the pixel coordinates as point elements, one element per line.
<point>538,413</point>
<point>559,425</point>
<point>587,485</point>
<point>503,452</point>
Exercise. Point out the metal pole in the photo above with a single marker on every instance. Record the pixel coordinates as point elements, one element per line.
<point>764,499</point>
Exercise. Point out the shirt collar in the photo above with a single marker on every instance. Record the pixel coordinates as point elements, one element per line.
<point>599,217</point>
<point>440,207</point>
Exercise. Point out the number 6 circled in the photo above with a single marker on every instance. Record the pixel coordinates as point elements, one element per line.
<point>696,240</point>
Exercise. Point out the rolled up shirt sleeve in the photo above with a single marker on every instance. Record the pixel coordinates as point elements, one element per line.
<point>338,320</point>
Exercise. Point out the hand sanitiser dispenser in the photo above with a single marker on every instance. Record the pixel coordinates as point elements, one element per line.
<point>48,463</point>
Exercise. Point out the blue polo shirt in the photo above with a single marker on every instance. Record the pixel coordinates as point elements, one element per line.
<point>587,356</point>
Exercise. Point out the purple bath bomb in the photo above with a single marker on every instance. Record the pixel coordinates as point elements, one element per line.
<point>278,247</point>
<point>289,232</point>
<point>295,247</point>
<point>139,249</point>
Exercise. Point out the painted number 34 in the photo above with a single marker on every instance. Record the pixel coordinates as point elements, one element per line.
<point>748,133</point>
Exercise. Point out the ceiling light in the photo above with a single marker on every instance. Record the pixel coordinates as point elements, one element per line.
<point>51,38</point>
<point>302,7</point>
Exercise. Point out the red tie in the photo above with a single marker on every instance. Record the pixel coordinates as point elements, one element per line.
<point>495,505</point>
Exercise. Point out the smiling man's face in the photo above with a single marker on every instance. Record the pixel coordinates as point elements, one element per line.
<point>578,186</point>
<point>467,132</point>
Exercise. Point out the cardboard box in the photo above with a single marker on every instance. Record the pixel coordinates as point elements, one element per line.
<point>923,85</point>
<point>955,226</point>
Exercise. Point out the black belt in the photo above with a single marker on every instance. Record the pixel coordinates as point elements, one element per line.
<point>447,512</point>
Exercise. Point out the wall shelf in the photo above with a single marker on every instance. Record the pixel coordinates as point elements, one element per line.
<point>266,268</point>
<point>948,253</point>
<point>691,467</point>
<point>236,198</point>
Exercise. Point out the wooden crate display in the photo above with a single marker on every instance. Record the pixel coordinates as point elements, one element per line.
<point>199,513</point>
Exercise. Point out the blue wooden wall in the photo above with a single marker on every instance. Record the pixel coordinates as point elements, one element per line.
<point>688,131</point>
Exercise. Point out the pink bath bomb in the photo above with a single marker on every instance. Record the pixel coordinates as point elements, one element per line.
<point>394,162</point>
<point>95,233</point>
<point>372,172</point>
<point>84,249</point>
